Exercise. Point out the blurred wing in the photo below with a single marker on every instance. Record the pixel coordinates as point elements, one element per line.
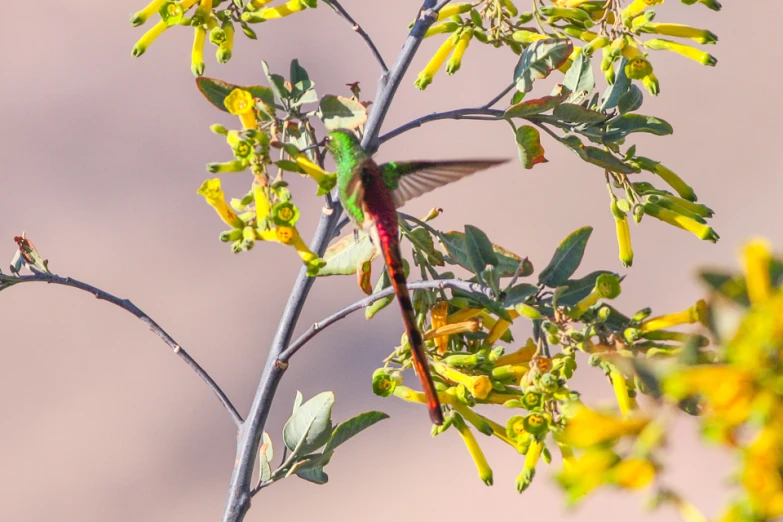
<point>415,178</point>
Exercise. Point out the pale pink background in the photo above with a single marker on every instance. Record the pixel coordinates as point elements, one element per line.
<point>100,160</point>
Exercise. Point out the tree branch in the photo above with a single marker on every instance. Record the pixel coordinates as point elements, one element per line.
<point>334,4</point>
<point>128,306</point>
<point>239,497</point>
<point>474,113</point>
<point>320,326</point>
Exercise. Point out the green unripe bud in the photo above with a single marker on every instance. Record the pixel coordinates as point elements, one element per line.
<point>383,384</point>
<point>548,383</point>
<point>231,235</point>
<point>632,334</point>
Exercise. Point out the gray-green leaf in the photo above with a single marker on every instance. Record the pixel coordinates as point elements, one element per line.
<point>567,258</point>
<point>352,427</point>
<point>311,425</point>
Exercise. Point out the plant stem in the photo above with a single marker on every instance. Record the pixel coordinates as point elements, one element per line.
<point>334,4</point>
<point>474,113</point>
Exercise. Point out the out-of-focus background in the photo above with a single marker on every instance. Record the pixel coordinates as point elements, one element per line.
<point>100,159</point>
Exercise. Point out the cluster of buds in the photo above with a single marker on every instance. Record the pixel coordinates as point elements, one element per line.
<point>209,22</point>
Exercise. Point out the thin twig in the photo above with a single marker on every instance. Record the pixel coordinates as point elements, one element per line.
<point>473,113</point>
<point>239,497</point>
<point>128,306</point>
<point>334,4</point>
<point>499,97</point>
<point>318,327</point>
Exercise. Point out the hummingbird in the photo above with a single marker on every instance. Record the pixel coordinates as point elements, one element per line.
<point>371,195</point>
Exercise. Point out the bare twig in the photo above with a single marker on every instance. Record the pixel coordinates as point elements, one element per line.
<point>318,327</point>
<point>474,113</point>
<point>334,4</point>
<point>128,306</point>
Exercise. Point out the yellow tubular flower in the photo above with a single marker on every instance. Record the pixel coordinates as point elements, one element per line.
<point>500,328</point>
<point>700,230</point>
<point>529,469</point>
<point>151,8</point>
<point>197,54</point>
<point>263,205</point>
<point>455,61</point>
<point>214,195</point>
<point>701,36</point>
<point>484,471</point>
<point>526,37</point>
<point>687,51</point>
<point>696,313</point>
<point>586,472</point>
<point>636,7</point>
<point>325,180</point>
<point>443,332</point>
<point>586,427</point>
<point>623,235</point>
<point>445,27</point>
<point>240,103</point>
<point>568,456</point>
<point>453,9</point>
<point>435,63</point>
<point>522,356</point>
<point>633,473</point>
<point>226,47</point>
<point>147,38</point>
<point>624,401</point>
<point>478,385</point>
<point>463,315</point>
<point>203,11</point>
<point>254,5</point>
<point>757,259</point>
<point>280,11</point>
<point>439,318</point>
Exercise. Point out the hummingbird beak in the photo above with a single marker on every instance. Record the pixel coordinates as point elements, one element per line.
<point>313,146</point>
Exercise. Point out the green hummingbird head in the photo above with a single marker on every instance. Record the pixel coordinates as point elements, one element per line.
<point>345,148</point>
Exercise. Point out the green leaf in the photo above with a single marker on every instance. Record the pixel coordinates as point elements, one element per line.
<point>338,112</point>
<point>620,86</point>
<point>539,59</point>
<point>312,469</point>
<point>347,255</point>
<point>479,250</point>
<point>567,258</point>
<point>631,100</point>
<point>265,456</point>
<point>647,377</point>
<point>352,427</point>
<point>298,73</point>
<point>297,401</point>
<point>580,75</point>
<point>311,424</point>
<point>726,285</point>
<point>605,160</point>
<point>518,294</point>
<point>508,262</point>
<point>628,123</point>
<point>530,150</point>
<point>532,107</point>
<point>216,91</point>
<point>482,301</point>
<point>277,83</point>
<point>577,289</point>
<point>577,114</point>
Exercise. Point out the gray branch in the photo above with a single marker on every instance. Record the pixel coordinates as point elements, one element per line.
<point>239,491</point>
<point>320,326</point>
<point>474,113</point>
<point>128,306</point>
<point>334,4</point>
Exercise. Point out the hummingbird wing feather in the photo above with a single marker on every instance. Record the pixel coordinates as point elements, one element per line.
<point>414,178</point>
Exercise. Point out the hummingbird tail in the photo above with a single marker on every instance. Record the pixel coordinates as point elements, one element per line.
<point>393,258</point>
